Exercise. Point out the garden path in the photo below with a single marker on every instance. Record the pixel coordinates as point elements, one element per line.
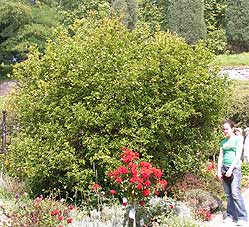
<point>217,220</point>
<point>6,86</point>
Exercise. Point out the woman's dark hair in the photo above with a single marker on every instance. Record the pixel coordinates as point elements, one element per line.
<point>230,122</point>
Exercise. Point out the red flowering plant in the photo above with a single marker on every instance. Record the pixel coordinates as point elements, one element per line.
<point>137,180</point>
<point>40,212</point>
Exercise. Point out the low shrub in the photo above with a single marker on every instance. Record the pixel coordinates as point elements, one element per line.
<point>40,212</point>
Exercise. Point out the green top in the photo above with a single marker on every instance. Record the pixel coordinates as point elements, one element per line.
<point>229,147</point>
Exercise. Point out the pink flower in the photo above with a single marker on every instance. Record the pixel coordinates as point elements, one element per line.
<point>69,220</point>
<point>55,212</point>
<point>113,192</point>
<point>96,187</point>
<point>163,184</point>
<point>60,218</point>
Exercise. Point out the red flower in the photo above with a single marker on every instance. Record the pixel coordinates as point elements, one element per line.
<point>69,220</point>
<point>142,203</point>
<point>118,180</point>
<point>133,180</point>
<point>55,212</point>
<point>60,226</point>
<point>124,202</point>
<point>139,186</point>
<point>137,180</point>
<point>113,192</point>
<point>128,155</point>
<point>70,207</point>
<point>96,187</point>
<point>171,206</point>
<point>157,172</point>
<point>145,173</point>
<point>122,170</point>
<point>163,184</point>
<point>147,183</point>
<point>211,166</point>
<point>146,192</point>
<point>145,164</point>
<point>60,218</point>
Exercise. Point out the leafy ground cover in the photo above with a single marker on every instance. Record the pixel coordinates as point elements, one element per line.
<point>190,209</point>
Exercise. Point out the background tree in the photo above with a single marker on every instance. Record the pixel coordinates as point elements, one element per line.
<point>151,13</point>
<point>237,29</point>
<point>186,19</point>
<point>127,11</point>
<point>22,25</point>
<point>104,88</point>
<point>214,14</point>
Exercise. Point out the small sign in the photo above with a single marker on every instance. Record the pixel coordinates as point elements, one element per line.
<point>132,213</point>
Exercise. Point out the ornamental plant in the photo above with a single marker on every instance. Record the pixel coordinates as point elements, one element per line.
<point>137,180</point>
<point>40,212</point>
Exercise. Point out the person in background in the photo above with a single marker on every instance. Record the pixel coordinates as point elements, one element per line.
<point>229,172</point>
<point>246,145</point>
<point>239,132</point>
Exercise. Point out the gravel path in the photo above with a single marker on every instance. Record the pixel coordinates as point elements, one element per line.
<point>239,73</point>
<point>6,86</point>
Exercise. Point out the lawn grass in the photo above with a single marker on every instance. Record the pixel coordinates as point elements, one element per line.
<point>241,88</point>
<point>231,60</point>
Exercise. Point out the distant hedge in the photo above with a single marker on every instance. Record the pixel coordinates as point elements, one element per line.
<point>236,23</point>
<point>101,88</point>
<point>186,19</point>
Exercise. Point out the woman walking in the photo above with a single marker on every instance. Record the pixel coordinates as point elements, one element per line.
<point>229,172</point>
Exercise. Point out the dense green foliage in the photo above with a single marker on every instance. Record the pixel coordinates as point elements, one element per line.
<point>214,14</point>
<point>105,88</point>
<point>239,109</point>
<point>151,13</point>
<point>186,18</point>
<point>237,29</point>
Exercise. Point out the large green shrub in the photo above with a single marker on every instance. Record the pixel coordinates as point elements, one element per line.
<point>186,18</point>
<point>237,20</point>
<point>105,88</point>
